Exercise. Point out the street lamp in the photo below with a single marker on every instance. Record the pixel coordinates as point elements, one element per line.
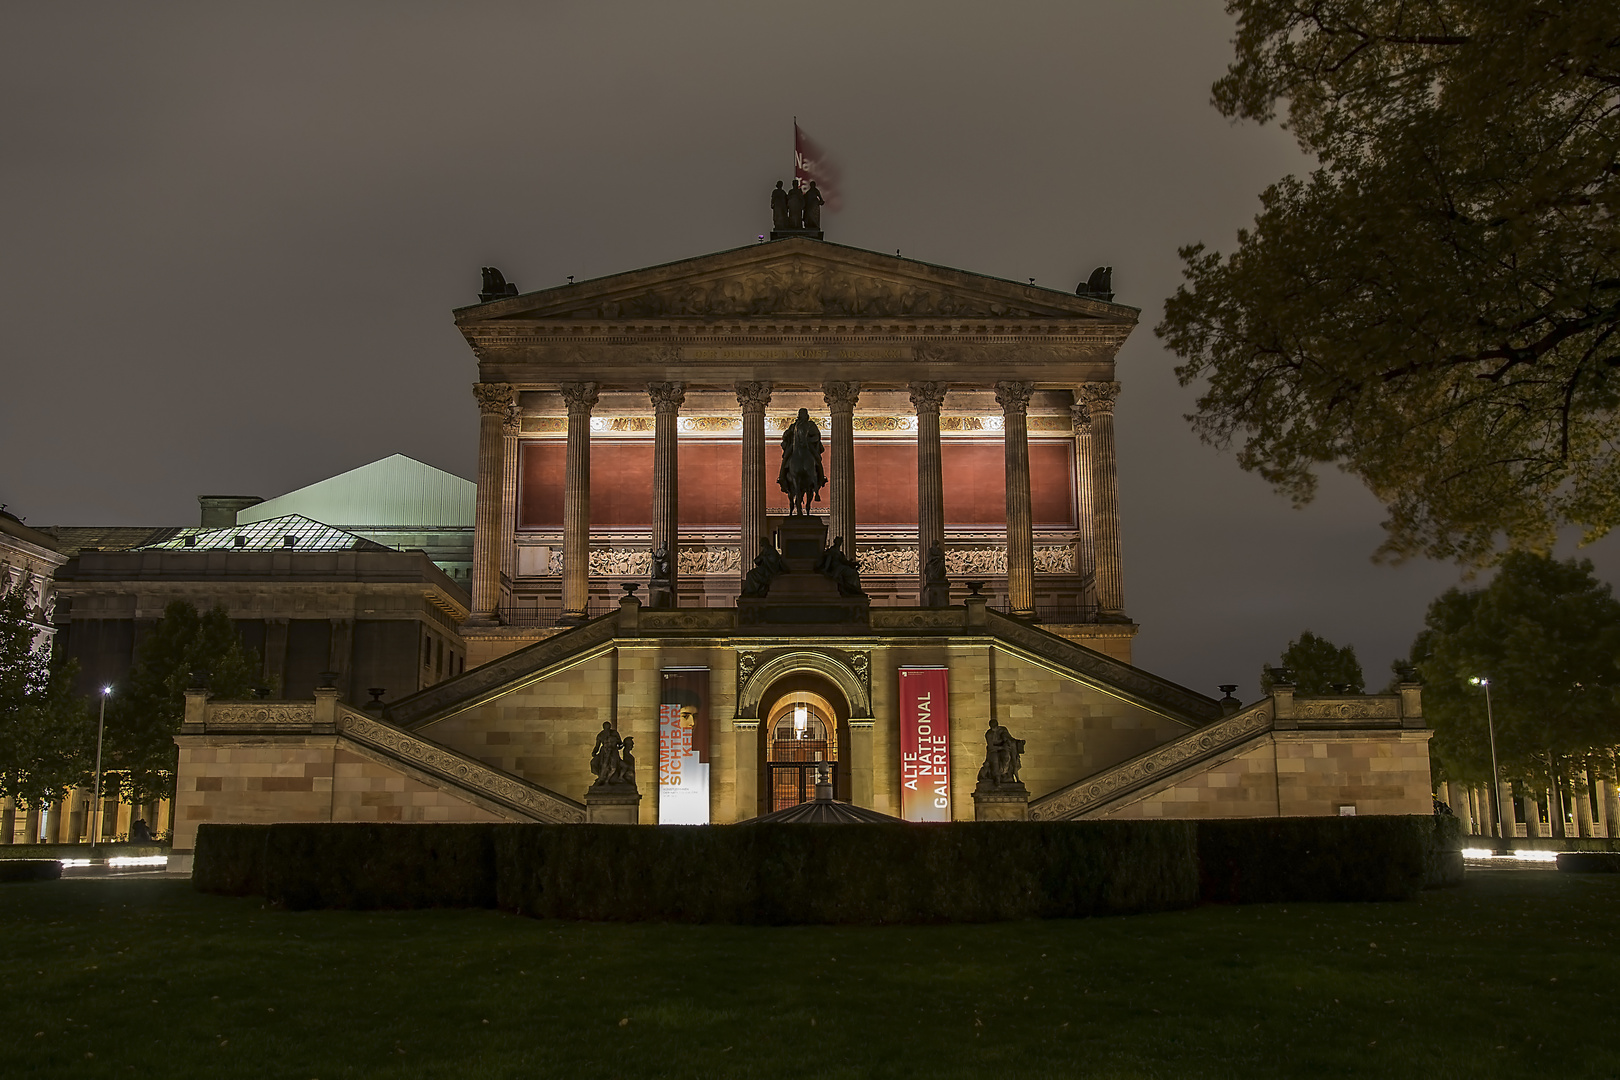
<point>1496,775</point>
<point>101,726</point>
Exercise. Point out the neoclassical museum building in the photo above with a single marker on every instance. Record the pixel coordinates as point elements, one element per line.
<point>630,446</point>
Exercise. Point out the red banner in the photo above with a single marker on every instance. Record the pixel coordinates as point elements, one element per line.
<point>925,744</point>
<point>810,162</point>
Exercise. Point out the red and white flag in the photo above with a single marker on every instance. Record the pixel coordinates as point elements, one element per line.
<point>810,162</point>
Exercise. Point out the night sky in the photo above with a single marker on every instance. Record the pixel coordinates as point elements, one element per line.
<point>233,236</point>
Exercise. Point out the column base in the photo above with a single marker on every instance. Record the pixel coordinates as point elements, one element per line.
<point>617,805</point>
<point>1001,802</point>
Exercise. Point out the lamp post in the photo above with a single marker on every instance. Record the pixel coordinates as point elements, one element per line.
<point>1496,776</point>
<point>95,810</point>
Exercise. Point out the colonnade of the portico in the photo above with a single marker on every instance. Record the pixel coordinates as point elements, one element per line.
<point>1096,483</point>
<point>1591,809</point>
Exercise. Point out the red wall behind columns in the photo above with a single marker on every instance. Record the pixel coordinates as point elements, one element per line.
<point>711,479</point>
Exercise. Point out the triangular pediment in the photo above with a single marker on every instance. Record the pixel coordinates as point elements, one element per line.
<point>795,277</point>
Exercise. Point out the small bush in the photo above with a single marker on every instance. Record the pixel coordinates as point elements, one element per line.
<point>1266,860</point>
<point>29,870</point>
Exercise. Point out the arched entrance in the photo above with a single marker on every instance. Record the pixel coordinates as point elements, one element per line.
<point>804,721</point>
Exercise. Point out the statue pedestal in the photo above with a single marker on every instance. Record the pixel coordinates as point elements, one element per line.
<point>802,599</point>
<point>1001,802</point>
<point>785,234</point>
<point>616,804</point>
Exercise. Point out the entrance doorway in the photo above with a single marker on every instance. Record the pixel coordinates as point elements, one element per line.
<point>802,732</point>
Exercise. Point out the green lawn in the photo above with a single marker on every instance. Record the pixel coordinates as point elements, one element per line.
<point>1514,974</point>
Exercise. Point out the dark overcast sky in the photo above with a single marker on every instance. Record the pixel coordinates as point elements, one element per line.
<point>233,235</point>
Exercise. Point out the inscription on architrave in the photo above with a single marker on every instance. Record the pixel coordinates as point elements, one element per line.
<point>747,352</point>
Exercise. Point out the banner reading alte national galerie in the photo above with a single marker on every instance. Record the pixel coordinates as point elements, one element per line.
<point>925,744</point>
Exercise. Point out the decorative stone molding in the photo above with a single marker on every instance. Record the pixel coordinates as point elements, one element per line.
<point>512,422</point>
<point>711,425</point>
<point>667,396</point>
<point>966,562</point>
<point>1080,416</point>
<point>500,676</point>
<point>800,288</point>
<point>1379,707</point>
<point>1099,397</point>
<point>1090,794</point>
<point>841,396</point>
<point>1013,397</point>
<point>917,618</point>
<point>717,620</point>
<point>493,397</point>
<point>928,396</point>
<point>529,799</point>
<point>753,395</point>
<point>850,672</point>
<point>268,715</point>
<point>698,560</point>
<point>1151,690</point>
<point>580,397</point>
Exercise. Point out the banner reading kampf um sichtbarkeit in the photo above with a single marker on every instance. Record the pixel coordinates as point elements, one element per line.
<point>683,747</point>
<point>925,744</point>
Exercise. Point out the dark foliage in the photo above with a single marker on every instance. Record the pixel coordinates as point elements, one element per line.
<point>1301,859</point>
<point>29,870</point>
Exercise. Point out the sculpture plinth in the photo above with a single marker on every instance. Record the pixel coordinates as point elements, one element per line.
<point>616,804</point>
<point>1001,802</point>
<point>801,597</point>
<point>788,234</point>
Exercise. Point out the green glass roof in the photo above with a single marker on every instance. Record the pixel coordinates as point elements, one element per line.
<point>291,532</point>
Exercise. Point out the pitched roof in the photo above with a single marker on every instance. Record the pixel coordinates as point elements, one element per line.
<point>271,535</point>
<point>395,490</point>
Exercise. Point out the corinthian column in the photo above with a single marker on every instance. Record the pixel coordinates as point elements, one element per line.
<point>580,399</point>
<point>753,397</point>
<point>841,398</point>
<point>1013,397</point>
<point>509,486</point>
<point>493,401</point>
<point>928,397</point>
<point>1087,554</point>
<point>666,508</point>
<point>1099,400</point>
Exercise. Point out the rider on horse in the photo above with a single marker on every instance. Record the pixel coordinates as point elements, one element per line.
<point>801,476</point>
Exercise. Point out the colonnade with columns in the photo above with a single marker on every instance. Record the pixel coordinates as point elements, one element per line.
<point>1593,809</point>
<point>1096,481</point>
<point>72,819</point>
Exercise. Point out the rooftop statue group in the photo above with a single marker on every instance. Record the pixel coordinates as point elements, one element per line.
<point>796,208</point>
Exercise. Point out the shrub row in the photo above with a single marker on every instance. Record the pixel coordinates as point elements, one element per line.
<point>29,870</point>
<point>791,874</point>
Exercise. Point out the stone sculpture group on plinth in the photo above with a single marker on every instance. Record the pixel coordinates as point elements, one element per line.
<point>613,798</point>
<point>999,794</point>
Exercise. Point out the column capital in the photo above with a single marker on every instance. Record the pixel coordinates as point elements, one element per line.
<point>841,396</point>
<point>928,395</point>
<point>1080,414</point>
<point>1099,396</point>
<point>753,395</point>
<point>492,397</point>
<point>666,395</point>
<point>511,421</point>
<point>580,397</point>
<point>1013,397</point>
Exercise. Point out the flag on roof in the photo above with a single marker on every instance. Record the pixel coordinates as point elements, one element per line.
<point>810,162</point>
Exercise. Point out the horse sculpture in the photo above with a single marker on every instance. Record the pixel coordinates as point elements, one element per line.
<point>801,476</point>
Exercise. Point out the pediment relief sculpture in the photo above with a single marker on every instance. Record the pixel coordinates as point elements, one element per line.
<point>797,287</point>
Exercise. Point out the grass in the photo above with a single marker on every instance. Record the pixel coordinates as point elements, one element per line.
<point>1514,974</point>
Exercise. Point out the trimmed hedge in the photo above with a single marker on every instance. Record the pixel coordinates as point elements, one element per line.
<point>1589,862</point>
<point>790,874</point>
<point>1267,860</point>
<point>793,874</point>
<point>29,870</point>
